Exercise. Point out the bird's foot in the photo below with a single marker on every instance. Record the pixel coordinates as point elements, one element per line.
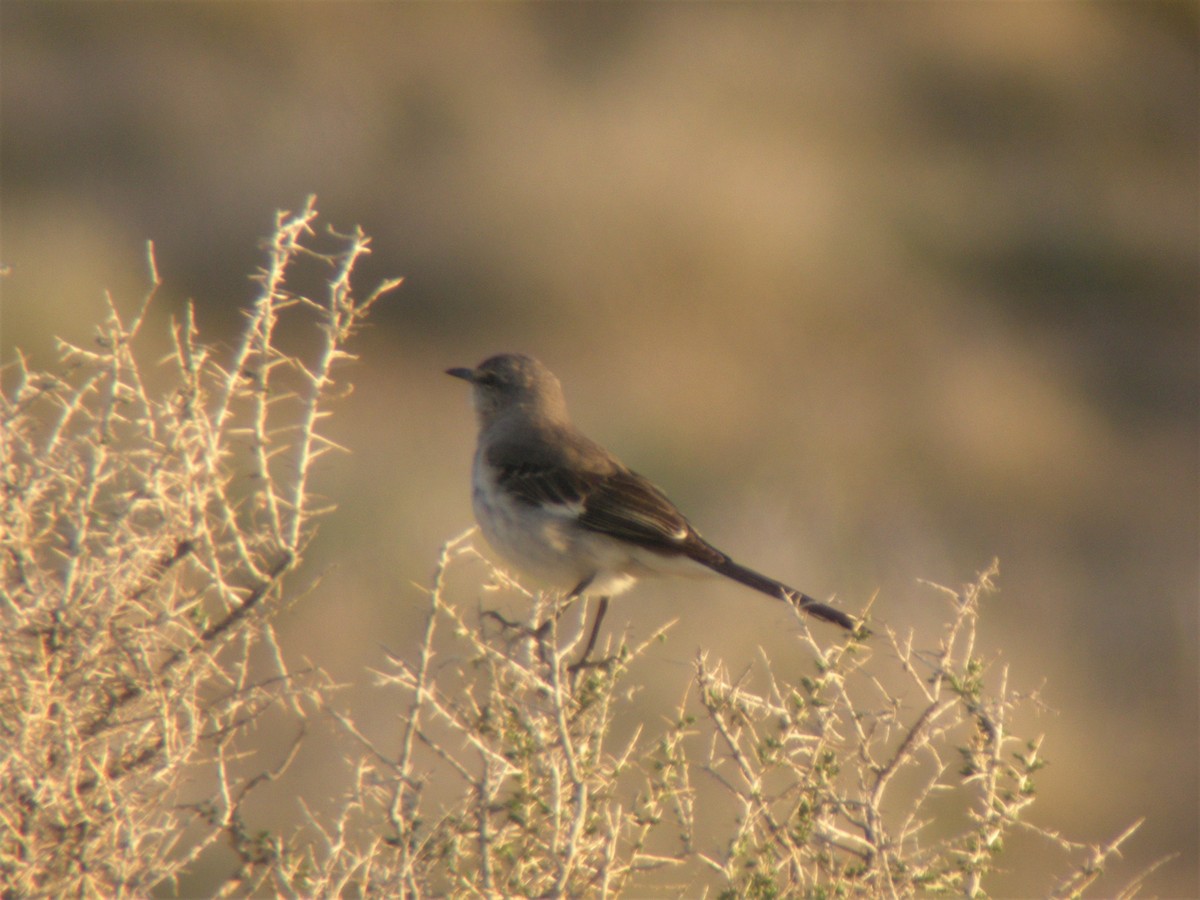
<point>584,663</point>
<point>538,634</point>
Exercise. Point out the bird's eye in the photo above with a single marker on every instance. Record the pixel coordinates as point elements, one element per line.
<point>487,378</point>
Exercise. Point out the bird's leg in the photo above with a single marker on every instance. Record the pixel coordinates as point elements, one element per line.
<point>576,592</point>
<point>543,630</point>
<point>582,662</point>
<point>601,609</point>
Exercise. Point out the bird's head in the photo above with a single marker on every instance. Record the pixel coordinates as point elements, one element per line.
<point>512,383</point>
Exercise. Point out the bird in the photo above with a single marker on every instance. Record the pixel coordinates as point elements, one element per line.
<point>561,509</point>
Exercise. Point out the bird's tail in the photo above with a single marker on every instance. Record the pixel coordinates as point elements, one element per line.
<point>723,565</point>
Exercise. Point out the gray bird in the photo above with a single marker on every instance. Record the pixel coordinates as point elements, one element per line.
<point>564,511</point>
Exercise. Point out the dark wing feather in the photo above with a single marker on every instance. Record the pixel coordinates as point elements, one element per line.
<point>568,470</point>
<point>610,499</point>
<point>627,506</point>
<point>540,485</point>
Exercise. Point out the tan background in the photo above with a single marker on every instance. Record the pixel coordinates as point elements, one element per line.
<point>876,292</point>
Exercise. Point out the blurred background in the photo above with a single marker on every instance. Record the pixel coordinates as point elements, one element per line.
<point>876,292</point>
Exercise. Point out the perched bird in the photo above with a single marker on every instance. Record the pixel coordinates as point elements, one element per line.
<point>561,509</point>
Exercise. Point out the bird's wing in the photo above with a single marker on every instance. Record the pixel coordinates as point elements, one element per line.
<point>617,502</point>
<point>627,506</point>
<point>558,488</point>
<point>598,493</point>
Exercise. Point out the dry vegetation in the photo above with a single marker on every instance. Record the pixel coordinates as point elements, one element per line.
<point>148,536</point>
<point>552,806</point>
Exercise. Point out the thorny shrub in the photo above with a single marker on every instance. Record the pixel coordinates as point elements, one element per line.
<point>146,538</point>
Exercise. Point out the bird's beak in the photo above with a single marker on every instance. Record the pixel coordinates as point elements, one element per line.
<point>464,374</point>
